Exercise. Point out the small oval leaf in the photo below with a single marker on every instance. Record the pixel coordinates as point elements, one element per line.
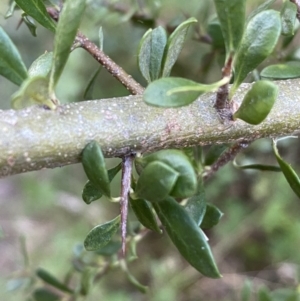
<point>287,170</point>
<point>259,40</point>
<point>143,212</point>
<point>188,238</point>
<point>50,279</point>
<point>288,18</point>
<point>156,181</point>
<point>110,249</point>
<point>34,90</point>
<point>158,44</point>
<point>258,102</point>
<point>215,32</point>
<point>171,92</point>
<point>214,152</point>
<point>91,193</point>
<point>175,45</point>
<point>37,10</point>
<point>11,64</point>
<point>94,166</point>
<point>282,71</point>
<point>186,184</point>
<point>144,55</point>
<point>41,66</point>
<point>232,19</point>
<point>101,235</point>
<point>212,216</point>
<point>69,20</point>
<point>196,205</point>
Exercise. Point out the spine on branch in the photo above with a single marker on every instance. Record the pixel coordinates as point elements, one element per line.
<point>36,138</point>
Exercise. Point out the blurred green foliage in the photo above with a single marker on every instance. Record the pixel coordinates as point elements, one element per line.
<point>258,237</point>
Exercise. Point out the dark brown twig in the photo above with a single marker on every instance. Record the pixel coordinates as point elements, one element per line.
<point>226,157</point>
<point>126,182</point>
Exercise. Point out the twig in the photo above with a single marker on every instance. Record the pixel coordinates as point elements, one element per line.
<point>115,70</point>
<point>226,157</point>
<point>126,182</point>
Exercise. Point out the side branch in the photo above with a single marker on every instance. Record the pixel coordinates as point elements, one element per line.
<point>35,138</point>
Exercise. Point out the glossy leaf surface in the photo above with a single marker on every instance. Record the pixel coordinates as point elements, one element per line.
<point>170,92</point>
<point>41,66</point>
<point>11,64</point>
<point>175,45</point>
<point>257,102</point>
<point>196,205</point>
<point>259,41</point>
<point>289,173</point>
<point>37,10</point>
<point>50,279</point>
<point>143,212</point>
<point>101,235</point>
<point>288,18</point>
<point>231,14</point>
<point>156,181</point>
<point>29,22</point>
<point>94,166</point>
<point>186,184</point>
<point>212,216</point>
<point>282,71</point>
<point>158,44</point>
<point>66,30</point>
<point>193,247</point>
<point>144,55</point>
<point>34,90</point>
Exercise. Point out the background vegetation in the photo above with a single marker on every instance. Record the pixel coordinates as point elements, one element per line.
<point>258,237</point>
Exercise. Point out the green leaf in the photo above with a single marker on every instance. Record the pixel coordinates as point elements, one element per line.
<point>143,212</point>
<point>50,279</point>
<point>156,181</point>
<point>212,216</point>
<point>214,152</point>
<point>91,193</point>
<point>289,173</point>
<point>34,90</point>
<point>231,14</point>
<point>101,38</point>
<point>43,294</point>
<point>259,41</point>
<point>110,249</point>
<point>66,30</point>
<point>188,238</point>
<point>101,235</point>
<point>11,9</point>
<point>288,18</point>
<point>29,23</point>
<point>37,10</point>
<point>87,279</point>
<point>264,6</point>
<point>215,32</point>
<point>88,93</point>
<point>158,44</point>
<point>196,205</point>
<point>186,184</point>
<point>144,55</point>
<point>175,45</point>
<point>41,66</point>
<point>260,167</point>
<point>173,92</point>
<point>94,166</point>
<point>258,102</point>
<point>282,71</point>
<point>11,65</point>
